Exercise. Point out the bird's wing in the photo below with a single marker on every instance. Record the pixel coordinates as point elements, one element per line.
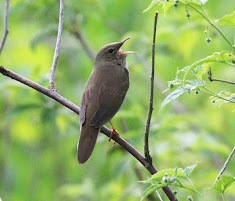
<point>86,97</point>
<point>109,102</point>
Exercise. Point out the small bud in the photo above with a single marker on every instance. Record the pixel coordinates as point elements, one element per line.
<point>213,101</point>
<point>175,4</point>
<point>166,174</point>
<point>190,198</point>
<point>208,40</point>
<point>165,179</point>
<point>233,61</point>
<point>188,15</point>
<point>175,192</point>
<point>172,179</point>
<point>230,54</point>
<point>196,92</point>
<point>171,85</point>
<point>176,1</point>
<point>205,32</point>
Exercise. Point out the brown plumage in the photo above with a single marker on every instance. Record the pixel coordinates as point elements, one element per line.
<point>103,95</point>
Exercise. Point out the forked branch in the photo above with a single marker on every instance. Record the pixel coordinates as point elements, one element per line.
<point>57,47</point>
<point>52,94</point>
<point>218,80</point>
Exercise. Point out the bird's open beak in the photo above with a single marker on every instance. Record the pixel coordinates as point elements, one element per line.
<point>127,52</point>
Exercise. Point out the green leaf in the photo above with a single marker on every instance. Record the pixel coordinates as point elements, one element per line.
<point>173,95</point>
<point>223,183</point>
<point>167,5</point>
<point>227,19</point>
<point>189,169</point>
<point>223,57</point>
<point>232,97</point>
<point>156,178</point>
<point>152,4</point>
<point>197,83</point>
<point>151,189</point>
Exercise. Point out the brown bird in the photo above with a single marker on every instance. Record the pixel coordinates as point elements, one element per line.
<point>103,95</point>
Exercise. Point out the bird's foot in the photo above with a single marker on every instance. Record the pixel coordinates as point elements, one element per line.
<point>114,132</point>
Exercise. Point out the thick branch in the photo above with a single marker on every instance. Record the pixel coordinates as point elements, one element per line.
<point>225,165</point>
<point>6,31</point>
<point>76,109</point>
<point>148,158</point>
<point>57,47</point>
<point>215,79</point>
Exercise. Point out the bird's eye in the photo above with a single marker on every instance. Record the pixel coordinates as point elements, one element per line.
<point>110,50</point>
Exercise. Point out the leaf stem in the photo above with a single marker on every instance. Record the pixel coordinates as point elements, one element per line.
<point>216,95</point>
<point>210,22</point>
<point>223,197</point>
<point>182,186</point>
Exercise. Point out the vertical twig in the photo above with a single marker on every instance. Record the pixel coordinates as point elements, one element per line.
<point>225,165</point>
<point>148,158</point>
<point>6,31</point>
<point>57,48</point>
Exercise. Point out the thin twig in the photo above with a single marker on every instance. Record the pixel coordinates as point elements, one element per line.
<point>225,165</point>
<point>57,47</point>
<point>76,109</point>
<point>215,79</point>
<point>6,31</point>
<point>90,53</point>
<point>148,158</point>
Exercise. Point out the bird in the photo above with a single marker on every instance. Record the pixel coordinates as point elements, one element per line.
<point>103,95</point>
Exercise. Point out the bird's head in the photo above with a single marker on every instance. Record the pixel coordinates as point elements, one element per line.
<point>113,54</point>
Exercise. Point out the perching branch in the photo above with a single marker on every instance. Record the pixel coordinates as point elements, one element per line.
<point>76,109</point>
<point>57,47</point>
<point>6,31</point>
<point>215,79</point>
<point>148,158</point>
<point>225,165</point>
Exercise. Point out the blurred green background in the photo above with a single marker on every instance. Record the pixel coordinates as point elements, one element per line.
<point>38,136</point>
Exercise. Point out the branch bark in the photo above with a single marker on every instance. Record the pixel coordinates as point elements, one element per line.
<point>148,158</point>
<point>225,165</point>
<point>6,31</point>
<point>218,80</point>
<point>57,48</point>
<point>52,94</point>
<point>78,34</point>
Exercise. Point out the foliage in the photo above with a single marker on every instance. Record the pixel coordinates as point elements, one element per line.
<point>171,177</point>
<point>38,137</point>
<point>226,57</point>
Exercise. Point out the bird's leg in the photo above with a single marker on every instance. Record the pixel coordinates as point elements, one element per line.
<point>114,132</point>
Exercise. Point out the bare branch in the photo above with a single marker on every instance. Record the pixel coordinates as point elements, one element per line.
<point>219,80</point>
<point>148,158</point>
<point>225,165</point>
<point>76,109</point>
<point>90,53</point>
<point>57,48</point>
<point>6,31</point>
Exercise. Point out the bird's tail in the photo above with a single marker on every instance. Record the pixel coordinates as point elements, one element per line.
<point>86,142</point>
